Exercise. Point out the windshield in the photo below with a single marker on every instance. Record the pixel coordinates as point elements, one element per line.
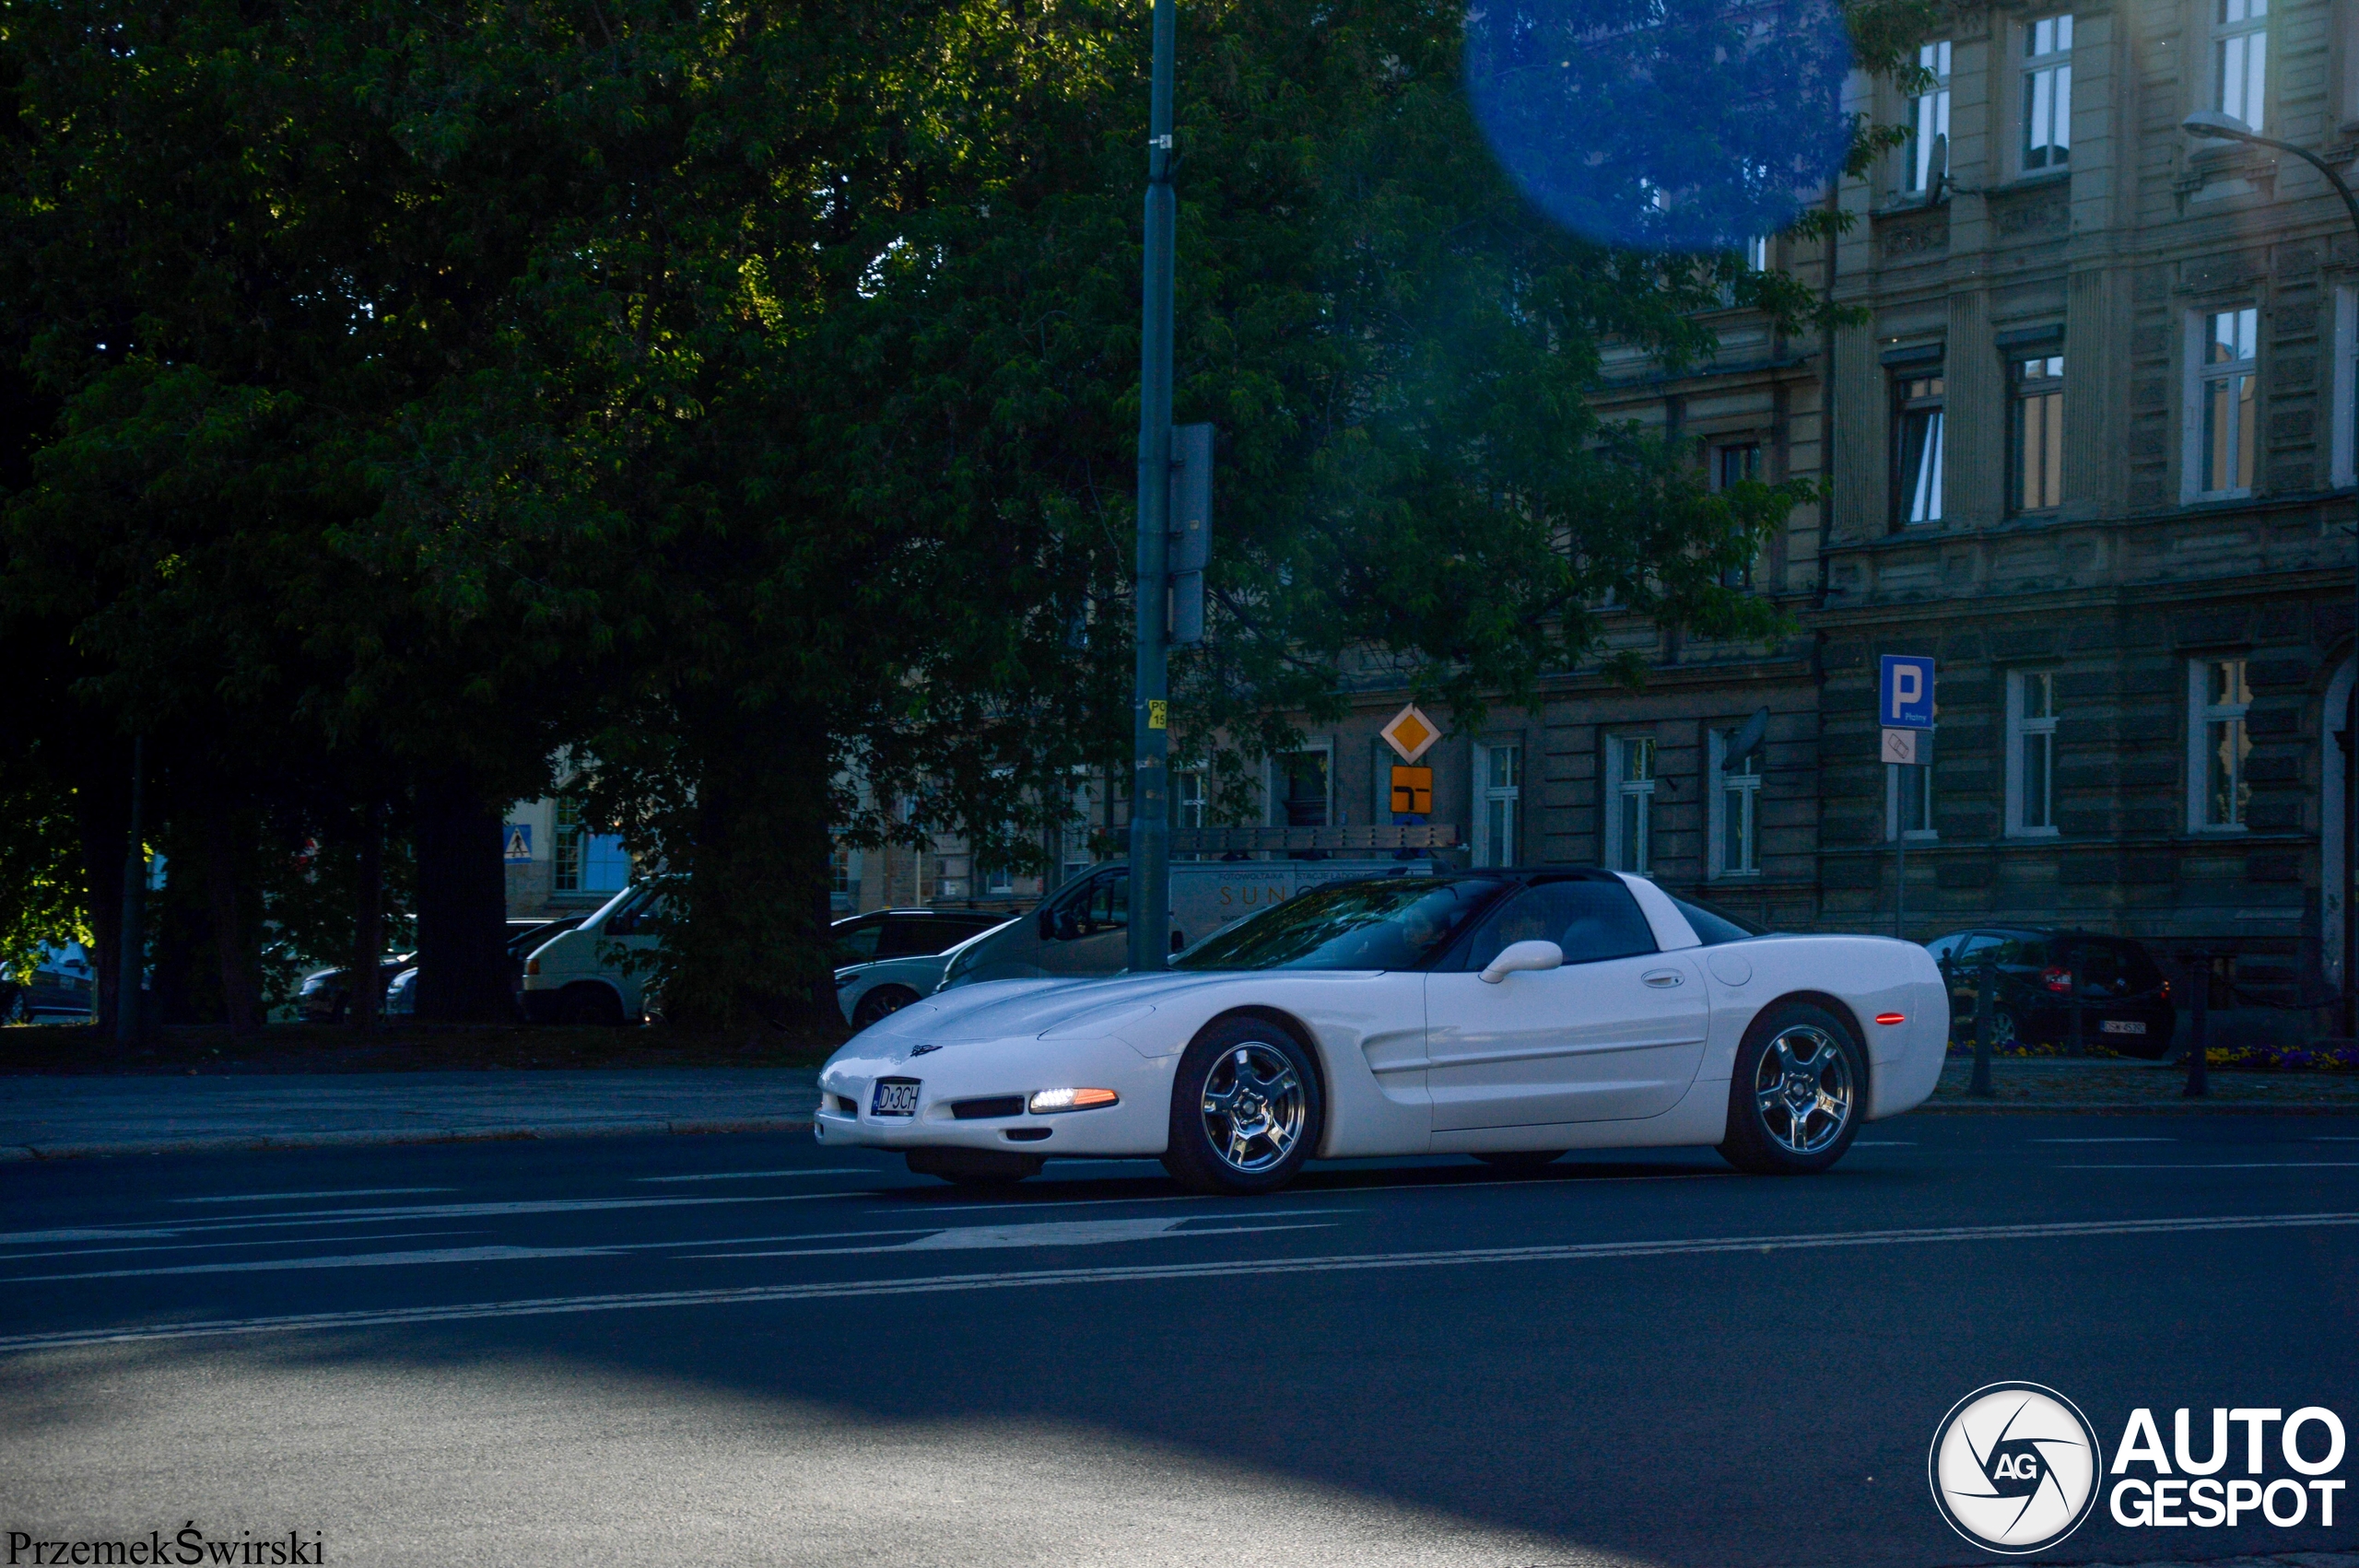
<point>1395,924</point>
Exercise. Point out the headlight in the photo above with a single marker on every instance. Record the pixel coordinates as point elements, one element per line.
<point>1047,1100</point>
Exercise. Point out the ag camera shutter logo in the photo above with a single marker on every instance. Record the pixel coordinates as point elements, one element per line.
<point>2014,1468</point>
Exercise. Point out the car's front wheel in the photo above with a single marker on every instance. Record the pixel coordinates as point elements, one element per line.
<point>880,1004</point>
<point>1798,1092</point>
<point>1246,1110</point>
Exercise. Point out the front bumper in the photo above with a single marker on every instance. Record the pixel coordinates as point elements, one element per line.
<point>1137,1126</point>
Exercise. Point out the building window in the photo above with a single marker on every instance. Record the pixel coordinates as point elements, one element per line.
<point>1187,804</point>
<point>2240,58</point>
<point>999,883</point>
<point>2218,744</point>
<point>1929,117</point>
<point>1917,448</point>
<point>1302,788</point>
<point>2225,401</point>
<point>1732,464</point>
<point>587,861</point>
<point>1075,854</point>
<point>2031,752</point>
<point>2047,93</point>
<point>843,877</point>
<point>1629,818</point>
<point>1908,802</point>
<point>2038,434</point>
<point>1736,809</point>
<point>1498,798</point>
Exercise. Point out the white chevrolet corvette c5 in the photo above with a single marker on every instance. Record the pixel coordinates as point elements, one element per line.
<point>1508,1014</point>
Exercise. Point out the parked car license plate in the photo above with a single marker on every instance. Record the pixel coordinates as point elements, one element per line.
<point>894,1096</point>
<point>2121,1026</point>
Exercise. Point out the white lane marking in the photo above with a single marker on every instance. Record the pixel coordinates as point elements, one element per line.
<point>1048,1198</point>
<point>754,1176</point>
<point>758,1295</point>
<point>342,1260</point>
<point>195,1246</point>
<point>344,1192</point>
<point>1046,1233</point>
<point>2104,1139</point>
<point>86,1233</point>
<point>424,1211</point>
<point>1884,1143</point>
<point>2237,1165</point>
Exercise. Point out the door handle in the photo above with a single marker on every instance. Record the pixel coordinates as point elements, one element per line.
<point>1661,978</point>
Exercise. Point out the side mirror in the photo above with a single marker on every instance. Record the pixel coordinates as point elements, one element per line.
<point>1523,955</point>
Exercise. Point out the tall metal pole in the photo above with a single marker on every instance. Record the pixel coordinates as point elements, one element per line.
<point>1150,733</point>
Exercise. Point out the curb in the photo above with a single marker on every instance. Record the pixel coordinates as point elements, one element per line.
<point>2117,1107</point>
<point>232,1142</point>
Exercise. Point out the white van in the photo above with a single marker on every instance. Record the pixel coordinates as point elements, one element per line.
<point>1084,927</point>
<point>598,972</point>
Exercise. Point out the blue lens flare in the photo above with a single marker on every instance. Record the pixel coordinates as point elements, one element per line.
<point>1687,125</point>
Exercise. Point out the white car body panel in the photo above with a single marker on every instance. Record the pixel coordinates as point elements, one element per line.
<point>1412,1062</point>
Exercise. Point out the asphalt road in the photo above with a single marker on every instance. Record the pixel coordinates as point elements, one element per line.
<point>746,1347</point>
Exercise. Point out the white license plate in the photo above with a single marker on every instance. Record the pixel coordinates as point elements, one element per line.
<point>2120,1026</point>
<point>894,1098</point>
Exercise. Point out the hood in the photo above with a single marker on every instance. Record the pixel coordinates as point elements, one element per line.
<point>998,1009</point>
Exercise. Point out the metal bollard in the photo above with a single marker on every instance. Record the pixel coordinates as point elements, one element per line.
<point>2198,969</point>
<point>1986,982</point>
<point>2073,992</point>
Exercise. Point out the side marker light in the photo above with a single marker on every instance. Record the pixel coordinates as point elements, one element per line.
<point>1892,1018</point>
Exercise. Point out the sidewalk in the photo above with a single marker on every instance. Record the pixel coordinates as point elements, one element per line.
<point>58,1118</point>
<point>2112,1083</point>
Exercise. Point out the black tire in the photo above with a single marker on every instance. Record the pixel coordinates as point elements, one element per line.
<point>1257,1083</point>
<point>881,1004</point>
<point>1798,1093</point>
<point>591,1005</point>
<point>1521,1159</point>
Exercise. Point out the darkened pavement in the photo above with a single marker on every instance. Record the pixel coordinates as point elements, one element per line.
<point>749,1349</point>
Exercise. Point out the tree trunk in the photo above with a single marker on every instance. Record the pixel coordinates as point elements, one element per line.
<point>241,985</point>
<point>753,946</point>
<point>462,965</point>
<point>365,988</point>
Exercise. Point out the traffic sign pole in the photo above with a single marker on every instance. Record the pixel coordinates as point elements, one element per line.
<point>1150,913</point>
<point>1905,710</point>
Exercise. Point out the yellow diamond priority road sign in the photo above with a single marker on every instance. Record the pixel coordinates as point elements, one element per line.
<point>1411,733</point>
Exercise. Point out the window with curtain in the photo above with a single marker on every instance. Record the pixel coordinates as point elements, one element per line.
<point>1917,448</point>
<point>1929,117</point>
<point>1629,822</point>
<point>1736,821</point>
<point>2047,93</point>
<point>2220,697</point>
<point>2037,434</point>
<point>2031,752</point>
<point>2228,383</point>
<point>2240,58</point>
<point>1498,799</point>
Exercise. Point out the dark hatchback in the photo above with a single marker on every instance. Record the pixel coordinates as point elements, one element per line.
<point>2125,999</point>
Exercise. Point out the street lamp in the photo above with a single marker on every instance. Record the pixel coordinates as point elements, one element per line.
<point>2210,124</point>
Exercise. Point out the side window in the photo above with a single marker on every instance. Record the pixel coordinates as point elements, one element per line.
<point>1591,921</point>
<point>1979,947</point>
<point>856,943</point>
<point>1941,948</point>
<point>1101,905</point>
<point>635,919</point>
<point>904,936</point>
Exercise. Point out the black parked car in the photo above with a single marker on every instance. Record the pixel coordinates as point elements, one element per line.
<point>2125,999</point>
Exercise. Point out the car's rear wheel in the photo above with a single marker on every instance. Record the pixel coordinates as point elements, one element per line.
<point>879,1003</point>
<point>1797,1095</point>
<point>1521,1159</point>
<point>593,1005</point>
<point>1245,1109</point>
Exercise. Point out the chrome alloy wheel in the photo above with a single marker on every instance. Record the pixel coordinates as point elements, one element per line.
<point>1254,1108</point>
<point>1803,1087</point>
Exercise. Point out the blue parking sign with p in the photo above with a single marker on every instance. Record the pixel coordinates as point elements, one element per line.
<point>1905,695</point>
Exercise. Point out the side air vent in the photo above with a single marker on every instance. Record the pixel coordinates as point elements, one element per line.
<point>1028,1134</point>
<point>984,1110</point>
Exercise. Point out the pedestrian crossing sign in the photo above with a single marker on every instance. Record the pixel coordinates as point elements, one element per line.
<point>519,841</point>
